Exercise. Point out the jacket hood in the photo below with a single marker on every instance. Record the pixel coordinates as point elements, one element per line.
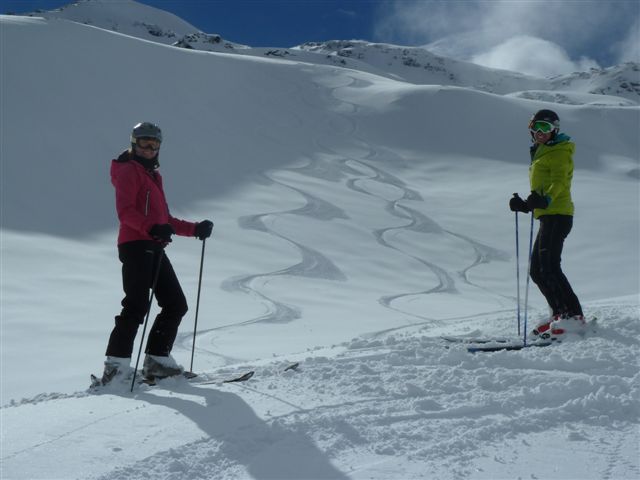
<point>149,164</point>
<point>559,138</point>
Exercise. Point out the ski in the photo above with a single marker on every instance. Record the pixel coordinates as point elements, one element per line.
<point>497,347</point>
<point>242,378</point>
<point>475,340</point>
<point>292,366</point>
<point>245,376</point>
<point>497,344</point>
<point>480,344</point>
<point>140,379</point>
<point>191,375</point>
<point>152,381</point>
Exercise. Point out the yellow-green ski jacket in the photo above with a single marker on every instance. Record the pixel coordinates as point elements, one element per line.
<point>550,175</point>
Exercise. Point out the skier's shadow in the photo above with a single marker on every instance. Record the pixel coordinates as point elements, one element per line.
<point>267,450</point>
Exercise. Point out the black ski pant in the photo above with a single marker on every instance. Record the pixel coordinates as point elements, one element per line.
<point>140,261</point>
<point>545,265</point>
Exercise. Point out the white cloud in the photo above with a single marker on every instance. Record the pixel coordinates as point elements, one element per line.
<point>628,50</point>
<point>574,35</point>
<point>347,13</point>
<point>533,56</point>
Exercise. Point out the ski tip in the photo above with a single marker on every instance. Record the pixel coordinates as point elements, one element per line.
<point>293,366</point>
<point>242,378</point>
<point>95,382</point>
<point>149,381</point>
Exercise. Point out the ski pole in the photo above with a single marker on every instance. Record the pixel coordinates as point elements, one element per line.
<point>195,327</point>
<point>526,295</point>
<point>146,320</point>
<point>518,271</point>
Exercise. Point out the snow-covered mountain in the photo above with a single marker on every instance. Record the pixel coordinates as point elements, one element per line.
<point>414,65</point>
<point>360,215</point>
<point>418,65</point>
<point>138,20</point>
<point>620,80</point>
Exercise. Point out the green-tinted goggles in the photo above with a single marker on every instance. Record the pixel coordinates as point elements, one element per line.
<point>541,126</point>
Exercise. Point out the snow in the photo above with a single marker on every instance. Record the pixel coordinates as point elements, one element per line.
<point>359,217</point>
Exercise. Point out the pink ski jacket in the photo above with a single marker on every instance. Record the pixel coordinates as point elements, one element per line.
<point>141,203</point>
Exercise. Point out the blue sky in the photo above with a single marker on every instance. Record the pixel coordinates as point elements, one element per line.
<point>541,37</point>
<point>259,23</point>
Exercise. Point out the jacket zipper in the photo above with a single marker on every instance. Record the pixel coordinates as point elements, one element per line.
<point>146,206</point>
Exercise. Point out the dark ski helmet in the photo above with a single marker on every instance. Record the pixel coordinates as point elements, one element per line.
<point>146,130</point>
<point>546,116</point>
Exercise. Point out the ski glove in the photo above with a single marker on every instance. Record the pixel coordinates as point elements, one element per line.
<point>204,229</point>
<point>516,204</point>
<point>162,233</point>
<point>535,200</point>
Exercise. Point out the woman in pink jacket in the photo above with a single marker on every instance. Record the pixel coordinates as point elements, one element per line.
<point>146,227</point>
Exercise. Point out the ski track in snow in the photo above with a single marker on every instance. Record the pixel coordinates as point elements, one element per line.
<point>313,264</point>
<point>365,176</point>
<point>364,172</point>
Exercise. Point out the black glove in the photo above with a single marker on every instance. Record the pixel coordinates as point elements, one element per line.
<point>535,200</point>
<point>204,229</point>
<point>516,204</point>
<point>162,233</point>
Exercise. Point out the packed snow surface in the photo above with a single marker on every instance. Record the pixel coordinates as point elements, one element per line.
<point>359,218</point>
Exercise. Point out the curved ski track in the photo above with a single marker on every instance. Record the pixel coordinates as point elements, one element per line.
<point>313,264</point>
<point>360,169</point>
<point>417,221</point>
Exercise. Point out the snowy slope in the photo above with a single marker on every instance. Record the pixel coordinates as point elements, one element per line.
<point>353,228</point>
<point>389,406</point>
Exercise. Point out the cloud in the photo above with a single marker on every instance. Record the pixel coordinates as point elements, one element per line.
<point>574,34</point>
<point>532,56</point>
<point>347,13</point>
<point>628,50</point>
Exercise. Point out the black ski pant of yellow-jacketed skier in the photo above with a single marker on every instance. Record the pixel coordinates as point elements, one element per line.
<point>545,265</point>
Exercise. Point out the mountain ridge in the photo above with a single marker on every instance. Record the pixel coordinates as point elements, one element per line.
<point>410,64</point>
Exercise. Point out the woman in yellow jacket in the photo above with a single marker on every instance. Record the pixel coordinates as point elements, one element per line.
<point>550,176</point>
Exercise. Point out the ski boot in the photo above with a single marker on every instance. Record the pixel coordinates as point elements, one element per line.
<point>567,326</point>
<point>542,330</point>
<point>156,367</point>
<point>116,370</point>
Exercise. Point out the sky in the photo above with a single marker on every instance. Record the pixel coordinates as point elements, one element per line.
<point>541,37</point>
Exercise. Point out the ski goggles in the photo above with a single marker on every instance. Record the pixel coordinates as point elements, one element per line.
<point>541,126</point>
<point>148,144</point>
